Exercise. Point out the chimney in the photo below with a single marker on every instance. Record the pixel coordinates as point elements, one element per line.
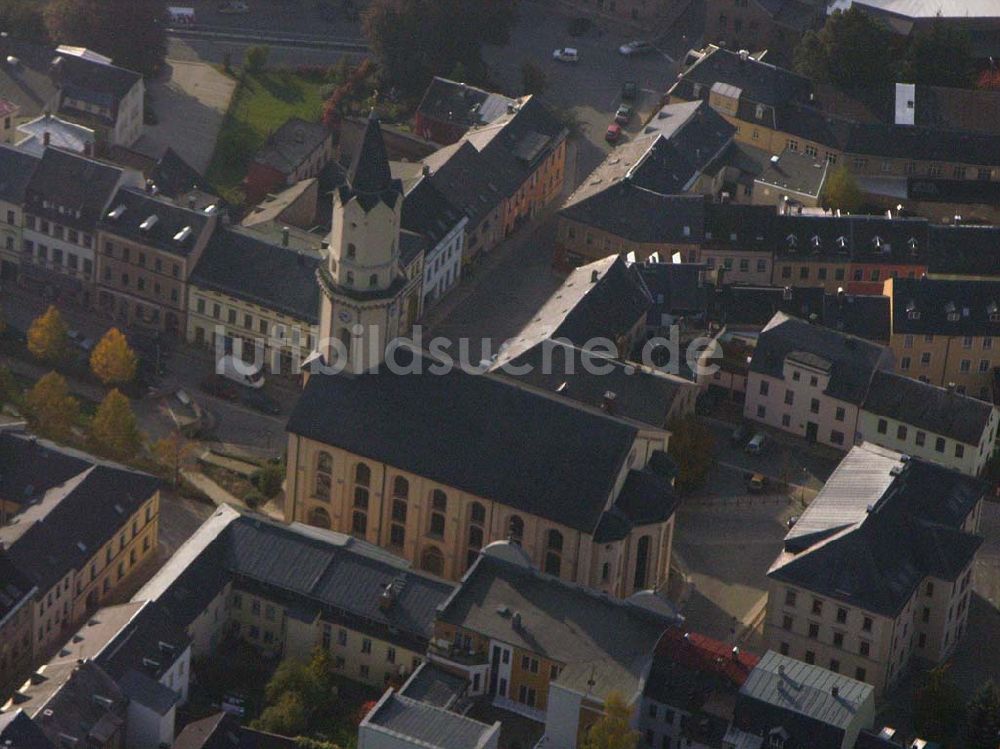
<point>387,598</point>
<point>781,669</point>
<point>149,187</point>
<point>515,621</point>
<point>608,401</point>
<point>835,691</point>
<point>594,275</point>
<point>284,236</point>
<point>736,653</point>
<point>46,138</point>
<point>191,202</point>
<point>425,170</point>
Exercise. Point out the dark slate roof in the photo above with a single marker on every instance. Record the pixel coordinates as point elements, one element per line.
<point>426,211</point>
<point>933,300</point>
<point>81,187</point>
<point>18,731</point>
<point>605,299</point>
<point>460,104</point>
<point>638,215</point>
<point>432,684</point>
<point>479,434</point>
<point>760,82</point>
<point>645,498</point>
<point>862,315</point>
<point>795,171</point>
<point>369,177</point>
<point>879,526</point>
<point>237,263</point>
<point>137,206</point>
<point>782,692</point>
<point>689,668</point>
<point>426,725</point>
<point>926,406</point>
<point>16,168</point>
<point>964,250</point>
<point>146,691</point>
<point>291,144</point>
<point>317,570</point>
<point>98,77</point>
<point>459,174</point>
<point>676,289</point>
<point>174,177</point>
<point>223,731</point>
<point>30,467</point>
<point>754,306</point>
<point>15,587</point>
<point>917,143</point>
<point>73,520</point>
<point>643,396</point>
<point>597,638</point>
<point>149,637</point>
<point>852,361</point>
<point>861,239</point>
<point>738,225</point>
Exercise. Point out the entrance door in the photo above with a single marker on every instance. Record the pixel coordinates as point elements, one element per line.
<point>812,431</point>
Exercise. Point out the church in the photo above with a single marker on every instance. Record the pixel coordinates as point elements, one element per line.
<point>434,466</point>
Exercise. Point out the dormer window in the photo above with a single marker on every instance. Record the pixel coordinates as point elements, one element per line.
<point>951,311</point>
<point>791,240</point>
<point>877,242</point>
<point>842,245</point>
<point>912,244</point>
<point>911,310</point>
<point>760,111</point>
<point>993,312</point>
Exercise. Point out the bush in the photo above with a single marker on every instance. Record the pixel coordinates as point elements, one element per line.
<point>253,499</point>
<point>256,58</point>
<point>268,479</point>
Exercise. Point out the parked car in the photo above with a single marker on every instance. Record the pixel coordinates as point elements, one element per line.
<point>630,91</point>
<point>614,133</point>
<point>757,444</point>
<point>633,48</point>
<point>239,371</point>
<point>792,521</point>
<point>756,483</point>
<point>219,387</point>
<point>258,400</point>
<point>623,115</point>
<point>740,434</point>
<point>234,6</point>
<point>566,54</point>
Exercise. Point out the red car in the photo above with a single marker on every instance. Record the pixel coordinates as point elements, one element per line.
<point>614,133</point>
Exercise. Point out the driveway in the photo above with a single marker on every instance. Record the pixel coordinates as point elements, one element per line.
<point>189,101</point>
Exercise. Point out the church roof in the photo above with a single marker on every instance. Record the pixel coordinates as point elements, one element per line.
<point>369,178</point>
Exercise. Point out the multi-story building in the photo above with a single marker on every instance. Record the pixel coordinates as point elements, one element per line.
<point>397,721</point>
<point>785,702</point>
<point>15,625</point>
<point>929,422</point>
<point>65,198</point>
<point>737,242</point>
<point>810,380</point>
<point>147,249</point>
<point>760,25</point>
<point>254,298</point>
<point>878,568</point>
<point>295,151</point>
<point>428,213</point>
<point>16,168</point>
<point>449,108</point>
<point>84,528</point>
<point>943,332</point>
<point>690,693</point>
<point>289,589</point>
<point>544,648</point>
<point>964,253</point>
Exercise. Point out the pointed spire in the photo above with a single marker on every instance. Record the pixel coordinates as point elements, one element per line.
<point>370,177</point>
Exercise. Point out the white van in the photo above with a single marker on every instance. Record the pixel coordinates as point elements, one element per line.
<point>237,370</point>
<point>181,16</point>
<point>756,444</point>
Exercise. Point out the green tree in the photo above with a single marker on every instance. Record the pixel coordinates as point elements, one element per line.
<point>929,47</point>
<point>113,361</point>
<point>47,336</point>
<point>256,58</point>
<point>114,429</point>
<point>841,192</point>
<point>25,19</point>
<point>268,478</point>
<point>51,410</point>
<point>286,717</point>
<point>10,391</point>
<point>533,78</point>
<point>691,444</point>
<point>937,706</point>
<point>131,32</point>
<point>414,40</point>
<point>982,718</point>
<point>851,50</point>
<point>612,730</point>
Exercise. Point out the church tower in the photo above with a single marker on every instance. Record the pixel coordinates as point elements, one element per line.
<point>362,283</point>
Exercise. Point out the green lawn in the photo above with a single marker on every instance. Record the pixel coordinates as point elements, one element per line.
<point>263,102</point>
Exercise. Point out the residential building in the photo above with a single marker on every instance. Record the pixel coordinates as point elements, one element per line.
<point>521,159</point>
<point>85,526</point>
<point>18,729</point>
<point>761,24</point>
<point>144,654</point>
<point>811,381</point>
<point>449,109</point>
<point>785,702</point>
<point>295,151</point>
<point>74,704</point>
<point>862,315</point>
<point>256,299</point>
<point>148,248</point>
<point>287,589</point>
<point>397,721</point>
<point>545,648</point>
<point>16,609</point>
<point>690,694</point>
<point>64,200</point>
<point>943,332</point>
<point>294,206</point>
<point>223,731</point>
<point>878,568</point>
<point>737,244</point>
<point>680,294</point>
<point>929,422</point>
<point>47,130</point>
<point>16,169</point>
<point>428,213</point>
<point>791,179</point>
<point>966,253</point>
<point>8,113</point>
